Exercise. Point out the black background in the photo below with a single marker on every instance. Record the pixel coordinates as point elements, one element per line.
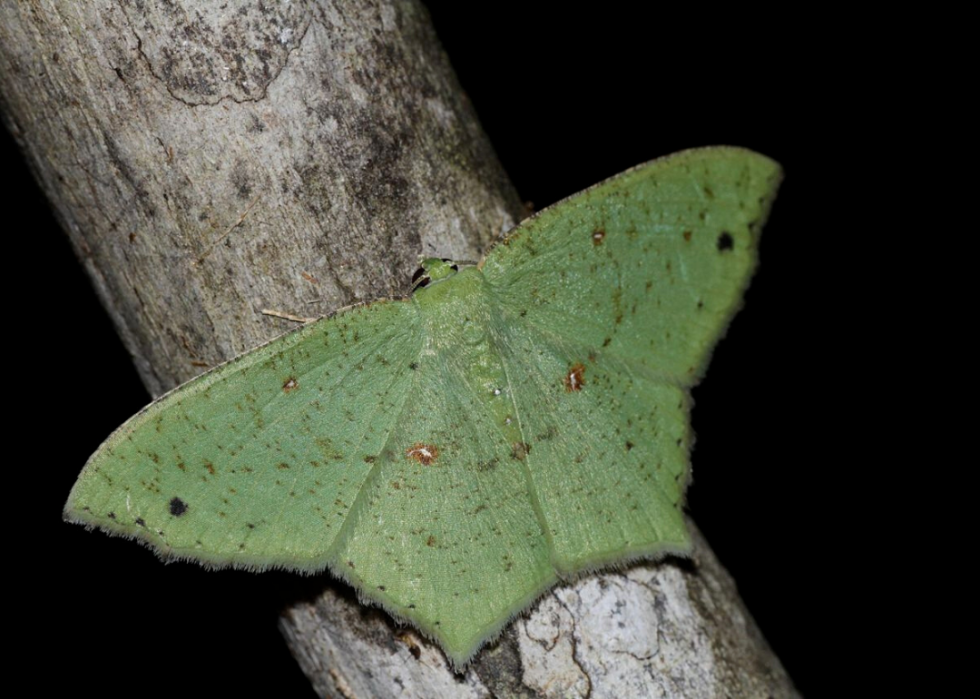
<point>566,102</point>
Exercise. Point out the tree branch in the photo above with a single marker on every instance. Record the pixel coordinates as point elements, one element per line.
<point>213,161</point>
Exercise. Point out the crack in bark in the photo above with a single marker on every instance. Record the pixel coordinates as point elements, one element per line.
<point>263,93</point>
<point>574,643</point>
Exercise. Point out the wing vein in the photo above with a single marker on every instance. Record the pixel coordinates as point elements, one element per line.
<point>366,485</point>
<point>532,491</point>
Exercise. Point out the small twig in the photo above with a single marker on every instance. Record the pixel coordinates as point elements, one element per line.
<point>286,316</point>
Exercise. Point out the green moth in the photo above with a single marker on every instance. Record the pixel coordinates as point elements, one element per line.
<point>455,453</point>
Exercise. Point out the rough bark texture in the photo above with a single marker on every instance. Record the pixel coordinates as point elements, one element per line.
<point>213,159</point>
<point>671,629</point>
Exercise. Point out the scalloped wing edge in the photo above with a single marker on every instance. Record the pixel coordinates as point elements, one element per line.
<point>458,661</point>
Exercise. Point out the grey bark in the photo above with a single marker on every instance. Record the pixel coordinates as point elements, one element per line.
<point>211,160</point>
<point>677,628</point>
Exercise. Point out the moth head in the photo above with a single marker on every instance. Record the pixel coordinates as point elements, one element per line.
<point>432,270</point>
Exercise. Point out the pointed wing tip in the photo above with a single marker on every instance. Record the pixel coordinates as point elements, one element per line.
<point>725,148</point>
<point>69,516</point>
<point>72,514</point>
<point>774,177</point>
<point>462,655</point>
